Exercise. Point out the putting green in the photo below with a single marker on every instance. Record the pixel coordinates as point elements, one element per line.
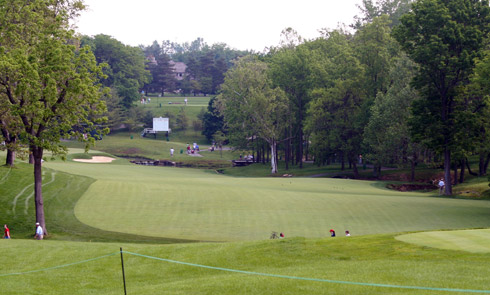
<point>475,241</point>
<point>201,205</point>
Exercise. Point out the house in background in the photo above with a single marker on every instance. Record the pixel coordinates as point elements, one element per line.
<point>179,69</point>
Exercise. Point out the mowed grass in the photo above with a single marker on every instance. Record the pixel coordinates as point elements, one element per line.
<point>477,240</point>
<point>132,145</point>
<point>202,205</point>
<point>366,260</point>
<point>51,266</point>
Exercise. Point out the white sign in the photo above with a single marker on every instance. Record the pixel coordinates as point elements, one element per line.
<point>160,124</point>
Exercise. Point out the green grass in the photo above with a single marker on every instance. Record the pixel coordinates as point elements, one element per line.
<point>369,259</point>
<point>201,205</point>
<point>161,105</point>
<point>264,170</point>
<point>477,241</point>
<point>122,145</point>
<point>141,208</point>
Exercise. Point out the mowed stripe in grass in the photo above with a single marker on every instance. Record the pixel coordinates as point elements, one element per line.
<point>368,259</point>
<point>199,205</point>
<point>475,241</point>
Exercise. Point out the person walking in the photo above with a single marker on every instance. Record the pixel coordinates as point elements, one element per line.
<point>6,234</point>
<point>39,232</point>
<point>441,186</point>
<point>171,152</point>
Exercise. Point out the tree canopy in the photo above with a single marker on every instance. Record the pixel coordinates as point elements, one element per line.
<point>444,38</point>
<point>49,87</point>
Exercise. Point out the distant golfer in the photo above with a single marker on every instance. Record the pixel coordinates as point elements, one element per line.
<point>332,233</point>
<point>39,232</point>
<point>171,152</point>
<point>441,186</point>
<point>347,233</point>
<point>6,234</point>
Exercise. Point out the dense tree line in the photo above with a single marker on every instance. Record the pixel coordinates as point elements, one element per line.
<point>409,85</point>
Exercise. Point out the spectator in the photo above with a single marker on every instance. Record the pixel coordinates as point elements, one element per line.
<point>39,232</point>
<point>6,234</point>
<point>441,186</point>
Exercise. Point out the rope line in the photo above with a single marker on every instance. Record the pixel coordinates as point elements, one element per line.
<point>252,273</point>
<point>57,267</point>
<point>310,279</point>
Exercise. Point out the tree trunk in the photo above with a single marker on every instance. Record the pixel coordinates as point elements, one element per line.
<point>377,170</point>
<point>447,172</point>
<point>10,158</point>
<point>481,166</point>
<point>307,147</point>
<point>286,152</point>
<point>461,175</point>
<point>37,153</point>
<point>413,163</point>
<point>10,142</point>
<point>485,167</point>
<point>412,170</point>
<point>273,146</point>
<point>354,169</point>
<point>469,168</point>
<point>455,173</point>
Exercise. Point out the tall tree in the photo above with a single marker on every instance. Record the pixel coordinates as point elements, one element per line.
<point>290,70</point>
<point>251,106</point>
<point>477,115</point>
<point>370,10</point>
<point>48,84</point>
<point>163,75</point>
<point>386,136</point>
<point>443,37</point>
<point>212,120</point>
<point>126,70</point>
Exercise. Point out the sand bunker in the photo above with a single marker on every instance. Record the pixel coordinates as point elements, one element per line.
<point>96,159</point>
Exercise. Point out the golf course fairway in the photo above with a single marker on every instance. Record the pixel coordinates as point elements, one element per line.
<point>202,205</point>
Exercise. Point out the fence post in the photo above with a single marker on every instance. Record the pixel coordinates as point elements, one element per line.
<point>124,277</point>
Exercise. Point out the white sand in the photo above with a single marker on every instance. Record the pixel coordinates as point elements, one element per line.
<point>96,159</point>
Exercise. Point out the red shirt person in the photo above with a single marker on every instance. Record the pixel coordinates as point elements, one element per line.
<point>6,234</point>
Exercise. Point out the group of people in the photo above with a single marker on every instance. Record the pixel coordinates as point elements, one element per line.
<point>39,235</point>
<point>332,233</point>
<point>193,149</point>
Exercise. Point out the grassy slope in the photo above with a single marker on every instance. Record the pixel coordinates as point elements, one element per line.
<point>368,259</point>
<point>121,144</point>
<point>61,192</point>
<point>372,259</point>
<point>477,241</point>
<point>196,204</point>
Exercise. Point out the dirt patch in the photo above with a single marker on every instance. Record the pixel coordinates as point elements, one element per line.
<point>127,152</point>
<point>96,159</point>
<point>407,187</point>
